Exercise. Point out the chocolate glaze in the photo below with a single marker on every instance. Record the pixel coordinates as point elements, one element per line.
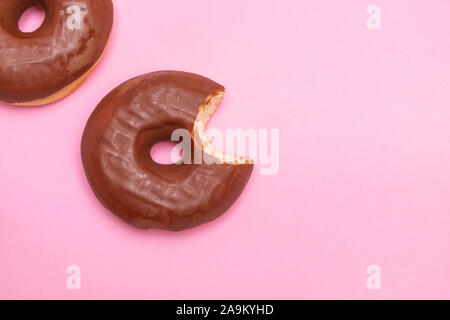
<point>116,155</point>
<point>70,41</point>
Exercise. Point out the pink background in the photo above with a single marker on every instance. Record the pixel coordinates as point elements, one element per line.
<point>364,158</point>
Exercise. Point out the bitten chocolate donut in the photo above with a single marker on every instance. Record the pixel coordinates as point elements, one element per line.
<point>116,157</point>
<point>44,66</point>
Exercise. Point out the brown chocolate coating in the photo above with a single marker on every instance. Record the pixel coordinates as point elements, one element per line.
<point>68,44</point>
<point>116,155</point>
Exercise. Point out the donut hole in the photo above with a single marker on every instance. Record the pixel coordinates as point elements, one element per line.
<point>32,19</point>
<point>165,153</point>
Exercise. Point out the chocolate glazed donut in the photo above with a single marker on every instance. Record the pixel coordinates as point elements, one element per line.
<point>116,153</point>
<point>44,66</point>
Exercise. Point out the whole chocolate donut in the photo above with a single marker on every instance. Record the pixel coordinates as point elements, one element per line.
<point>116,153</point>
<point>44,66</point>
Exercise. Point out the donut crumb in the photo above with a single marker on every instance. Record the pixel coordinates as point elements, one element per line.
<point>205,111</point>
